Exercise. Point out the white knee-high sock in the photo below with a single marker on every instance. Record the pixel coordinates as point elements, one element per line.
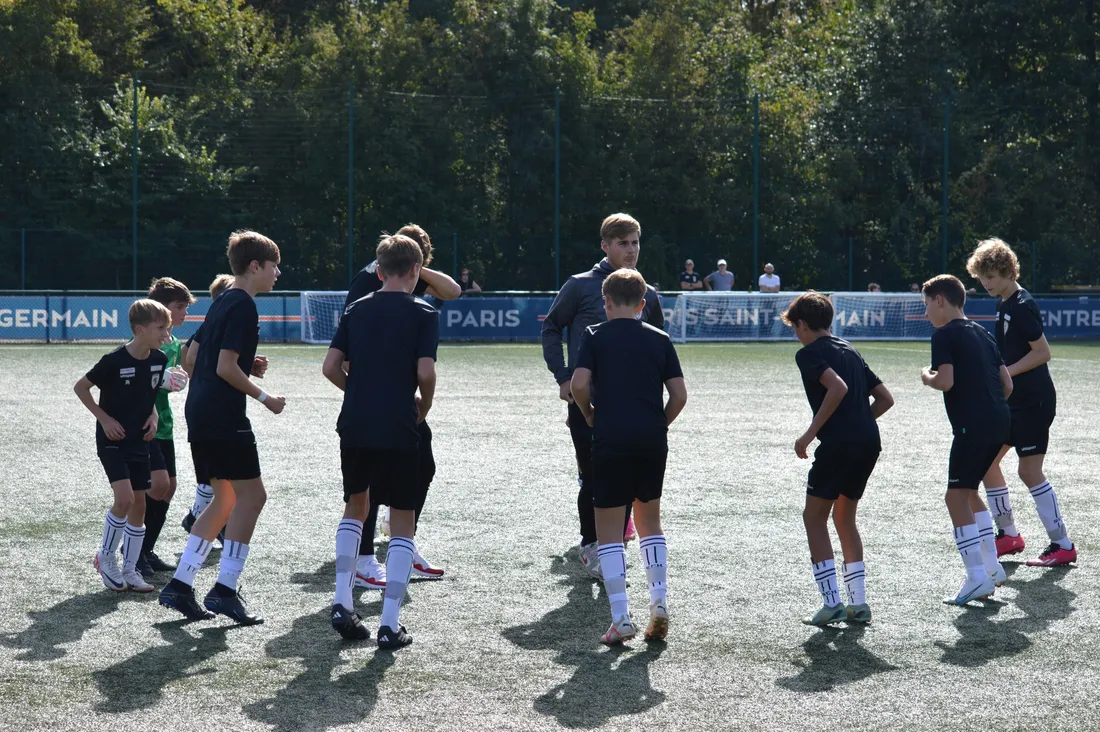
<point>655,557</point>
<point>234,554</point>
<point>113,527</point>
<point>1046,503</point>
<point>988,541</point>
<point>131,546</point>
<point>1000,505</point>
<point>399,562</point>
<point>854,578</point>
<point>348,535</point>
<point>194,555</point>
<point>825,578</point>
<point>613,568</point>
<point>969,545</point>
<point>204,495</point>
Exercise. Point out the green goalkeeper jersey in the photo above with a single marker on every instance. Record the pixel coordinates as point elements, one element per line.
<point>164,409</point>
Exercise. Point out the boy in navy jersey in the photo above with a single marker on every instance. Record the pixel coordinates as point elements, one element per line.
<point>1025,351</point>
<point>967,368</point>
<point>128,378</point>
<point>369,573</point>
<point>838,385</point>
<point>221,434</point>
<point>389,340</point>
<point>618,384</point>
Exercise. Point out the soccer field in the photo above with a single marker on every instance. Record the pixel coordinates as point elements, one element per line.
<point>509,639</point>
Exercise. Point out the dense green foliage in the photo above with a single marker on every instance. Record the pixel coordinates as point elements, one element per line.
<point>245,109</point>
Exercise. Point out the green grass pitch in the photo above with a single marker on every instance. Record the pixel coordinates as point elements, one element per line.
<point>509,639</point>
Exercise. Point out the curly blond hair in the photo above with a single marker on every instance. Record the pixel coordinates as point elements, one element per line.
<point>991,257</point>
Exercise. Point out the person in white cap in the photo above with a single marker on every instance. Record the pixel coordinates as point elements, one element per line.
<point>721,279</point>
<point>769,281</point>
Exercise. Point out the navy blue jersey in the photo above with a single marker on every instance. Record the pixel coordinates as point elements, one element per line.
<point>366,281</point>
<point>127,392</point>
<point>1019,323</point>
<point>852,421</point>
<point>975,403</point>
<point>630,362</point>
<point>383,336</point>
<point>215,410</point>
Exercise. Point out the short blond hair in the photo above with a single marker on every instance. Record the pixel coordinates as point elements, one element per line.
<point>397,254</point>
<point>220,284</point>
<point>617,226</point>
<point>147,312</point>
<point>994,256</point>
<point>624,287</point>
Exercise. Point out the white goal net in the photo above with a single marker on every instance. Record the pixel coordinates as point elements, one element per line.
<point>730,316</point>
<point>321,313</point>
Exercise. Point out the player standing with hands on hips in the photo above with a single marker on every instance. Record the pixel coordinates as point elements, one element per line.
<point>221,434</point>
<point>579,304</point>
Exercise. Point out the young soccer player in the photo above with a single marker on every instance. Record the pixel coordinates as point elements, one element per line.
<point>627,365</point>
<point>369,573</point>
<point>175,296</point>
<point>204,493</point>
<point>221,434</point>
<point>967,368</point>
<point>578,305</point>
<point>128,379</point>
<point>389,338</point>
<point>1025,351</point>
<point>838,384</point>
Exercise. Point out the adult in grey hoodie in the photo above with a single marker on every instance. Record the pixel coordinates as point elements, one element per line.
<point>578,305</point>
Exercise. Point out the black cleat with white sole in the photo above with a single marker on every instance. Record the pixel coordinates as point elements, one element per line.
<point>348,624</point>
<point>390,638</point>
<point>230,603</point>
<point>180,597</point>
<point>158,564</point>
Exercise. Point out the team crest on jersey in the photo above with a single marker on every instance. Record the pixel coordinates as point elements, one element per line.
<point>1007,322</point>
<point>155,380</point>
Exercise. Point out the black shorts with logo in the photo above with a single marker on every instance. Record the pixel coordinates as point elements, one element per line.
<point>619,480</point>
<point>226,459</point>
<point>126,464</point>
<point>392,476</point>
<point>971,458</point>
<point>162,456</point>
<point>842,469</point>
<point>1031,428</point>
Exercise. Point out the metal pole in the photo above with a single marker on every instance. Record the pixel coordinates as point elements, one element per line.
<point>851,268</point>
<point>755,181</point>
<point>23,259</point>
<point>557,188</point>
<point>454,254</point>
<point>1034,266</point>
<point>134,193</point>
<point>351,181</point>
<point>946,164</point>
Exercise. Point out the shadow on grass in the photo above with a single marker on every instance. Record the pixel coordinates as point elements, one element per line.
<point>835,657</point>
<point>313,700</point>
<point>139,682</point>
<point>606,683</point>
<point>982,640</point>
<point>65,622</point>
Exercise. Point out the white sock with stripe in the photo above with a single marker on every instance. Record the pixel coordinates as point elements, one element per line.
<point>112,533</point>
<point>655,557</point>
<point>1046,503</point>
<point>204,495</point>
<point>131,546</point>
<point>399,562</point>
<point>194,555</point>
<point>613,569</point>
<point>234,554</point>
<point>969,545</point>
<point>854,576</point>
<point>984,522</point>
<point>348,536</point>
<point>825,577</point>
<point>1000,505</point>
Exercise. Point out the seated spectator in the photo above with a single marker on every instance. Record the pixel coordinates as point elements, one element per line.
<point>466,282</point>
<point>769,281</point>
<point>873,287</point>
<point>721,279</point>
<point>689,278</point>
